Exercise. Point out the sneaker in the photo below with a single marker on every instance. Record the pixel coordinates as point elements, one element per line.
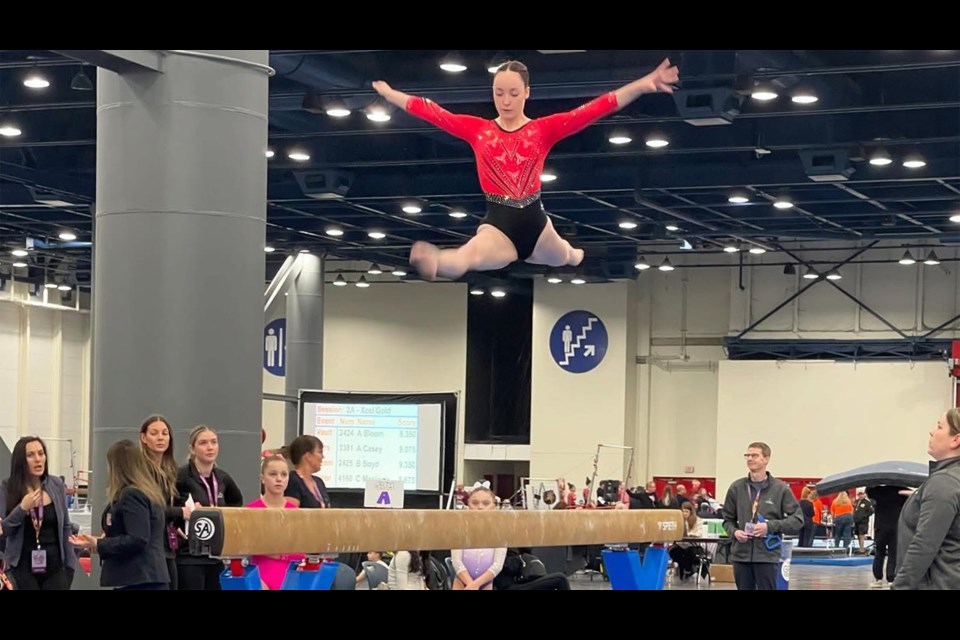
<point>878,584</point>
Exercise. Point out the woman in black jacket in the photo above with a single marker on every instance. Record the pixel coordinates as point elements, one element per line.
<point>131,551</point>
<point>156,443</point>
<point>307,490</point>
<point>204,484</point>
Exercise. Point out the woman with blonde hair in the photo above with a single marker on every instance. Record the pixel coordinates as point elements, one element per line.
<point>842,510</point>
<point>131,549</point>
<point>203,483</point>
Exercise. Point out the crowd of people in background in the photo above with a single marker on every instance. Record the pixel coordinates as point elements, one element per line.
<point>150,499</point>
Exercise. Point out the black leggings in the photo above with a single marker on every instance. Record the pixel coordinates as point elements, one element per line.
<point>199,577</point>
<point>522,226</point>
<point>24,580</point>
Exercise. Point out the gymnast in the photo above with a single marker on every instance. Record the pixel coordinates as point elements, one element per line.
<point>510,152</point>
<point>476,568</point>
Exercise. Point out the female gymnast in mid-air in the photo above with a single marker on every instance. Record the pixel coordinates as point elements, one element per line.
<point>510,151</point>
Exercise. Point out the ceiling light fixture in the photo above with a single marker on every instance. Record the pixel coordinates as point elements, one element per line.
<point>35,80</point>
<point>804,96</point>
<point>880,158</point>
<point>453,63</point>
<point>81,82</point>
<point>657,142</point>
<point>914,161</point>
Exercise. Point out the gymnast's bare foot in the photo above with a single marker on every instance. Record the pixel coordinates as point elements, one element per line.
<point>576,257</point>
<point>425,258</point>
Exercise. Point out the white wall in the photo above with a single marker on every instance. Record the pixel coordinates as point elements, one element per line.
<point>572,413</point>
<point>678,410</point>
<point>823,418</point>
<point>668,407</point>
<point>44,379</point>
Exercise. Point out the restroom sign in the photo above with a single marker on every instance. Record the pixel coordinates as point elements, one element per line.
<point>275,347</point>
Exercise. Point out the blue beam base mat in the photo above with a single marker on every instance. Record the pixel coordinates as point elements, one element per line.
<point>855,561</point>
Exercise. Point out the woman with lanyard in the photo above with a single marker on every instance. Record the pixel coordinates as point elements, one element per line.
<point>304,489</point>
<point>156,443</point>
<point>201,483</point>
<point>36,525</point>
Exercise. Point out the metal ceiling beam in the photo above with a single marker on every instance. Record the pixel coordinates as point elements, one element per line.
<point>803,290</point>
<point>849,295</point>
<point>118,60</point>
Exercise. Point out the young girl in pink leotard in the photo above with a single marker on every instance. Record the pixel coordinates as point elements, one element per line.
<point>274,474</point>
<point>476,568</point>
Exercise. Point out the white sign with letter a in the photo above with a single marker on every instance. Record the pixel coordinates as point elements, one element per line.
<point>383,494</point>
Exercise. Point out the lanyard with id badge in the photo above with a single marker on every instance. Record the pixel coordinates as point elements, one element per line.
<point>38,557</point>
<point>751,526</point>
<point>215,493</point>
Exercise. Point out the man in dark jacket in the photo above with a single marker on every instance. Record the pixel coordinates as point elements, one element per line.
<point>862,510</point>
<point>757,512</point>
<point>646,499</point>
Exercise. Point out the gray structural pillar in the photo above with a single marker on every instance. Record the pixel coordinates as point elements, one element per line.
<point>178,255</point>
<point>304,335</point>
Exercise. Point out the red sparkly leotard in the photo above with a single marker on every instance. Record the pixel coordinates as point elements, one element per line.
<point>509,163</point>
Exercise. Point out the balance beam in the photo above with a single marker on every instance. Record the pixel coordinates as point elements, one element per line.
<point>233,532</point>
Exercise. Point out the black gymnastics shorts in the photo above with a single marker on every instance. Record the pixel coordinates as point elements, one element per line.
<point>522,225</point>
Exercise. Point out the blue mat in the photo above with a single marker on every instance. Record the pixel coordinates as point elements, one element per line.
<point>855,561</point>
